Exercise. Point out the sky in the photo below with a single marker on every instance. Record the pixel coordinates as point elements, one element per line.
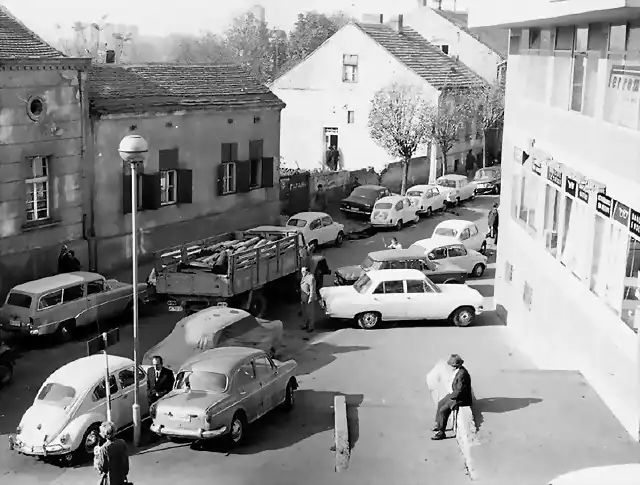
<point>53,19</point>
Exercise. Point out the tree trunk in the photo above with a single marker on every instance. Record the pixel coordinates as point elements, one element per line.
<point>405,175</point>
<point>444,164</point>
<point>484,148</point>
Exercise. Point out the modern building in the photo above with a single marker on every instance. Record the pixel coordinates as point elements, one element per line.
<point>568,259</point>
<point>214,138</point>
<point>328,94</point>
<point>42,146</point>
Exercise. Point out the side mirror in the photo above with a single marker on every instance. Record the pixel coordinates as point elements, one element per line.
<point>431,256</point>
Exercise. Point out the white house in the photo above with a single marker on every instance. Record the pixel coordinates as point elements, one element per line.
<point>484,50</point>
<point>568,256</point>
<point>328,94</point>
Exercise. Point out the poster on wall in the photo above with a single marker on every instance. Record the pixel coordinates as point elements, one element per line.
<point>603,205</point>
<point>622,99</point>
<point>634,223</point>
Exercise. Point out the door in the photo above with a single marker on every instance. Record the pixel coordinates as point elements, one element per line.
<point>458,255</point>
<point>465,238</point>
<point>423,303</point>
<point>74,305</point>
<point>315,231</point>
<point>267,375</point>
<point>99,307</point>
<point>475,238</point>
<point>99,399</point>
<point>389,299</point>
<point>437,199</point>
<point>127,393</point>
<point>329,230</point>
<point>409,210</point>
<point>247,389</point>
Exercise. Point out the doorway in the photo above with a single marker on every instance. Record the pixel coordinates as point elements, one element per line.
<point>331,148</point>
<point>330,138</point>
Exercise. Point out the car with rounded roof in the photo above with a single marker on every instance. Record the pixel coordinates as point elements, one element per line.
<point>362,199</point>
<point>466,233</point>
<point>625,474</point>
<point>394,211</point>
<point>456,188</point>
<point>401,294</point>
<point>488,180</point>
<point>220,392</point>
<point>449,250</point>
<point>410,258</point>
<point>63,421</point>
<point>428,198</point>
<point>318,228</point>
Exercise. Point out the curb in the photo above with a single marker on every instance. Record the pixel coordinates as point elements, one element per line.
<point>341,433</point>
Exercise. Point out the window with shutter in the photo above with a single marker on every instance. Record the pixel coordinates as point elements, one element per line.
<point>184,193</point>
<point>267,172</point>
<point>255,157</point>
<point>243,176</point>
<point>126,194</point>
<point>226,178</point>
<point>151,191</point>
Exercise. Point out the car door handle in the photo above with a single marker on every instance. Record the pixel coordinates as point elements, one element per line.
<point>375,299</point>
<point>243,393</point>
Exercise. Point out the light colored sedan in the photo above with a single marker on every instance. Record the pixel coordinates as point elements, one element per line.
<point>220,392</point>
<point>440,249</point>
<point>401,294</point>
<point>394,211</point>
<point>428,198</point>
<point>464,232</point>
<point>456,188</point>
<point>318,228</point>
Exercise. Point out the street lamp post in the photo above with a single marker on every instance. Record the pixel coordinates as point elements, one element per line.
<point>133,149</point>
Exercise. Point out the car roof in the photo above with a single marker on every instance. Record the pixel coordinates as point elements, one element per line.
<point>397,254</point>
<point>626,474</point>
<point>391,198</point>
<point>43,285</point>
<point>396,274</point>
<point>309,216</point>
<point>422,187</point>
<point>222,360</point>
<point>212,319</point>
<point>455,224</point>
<point>87,371</point>
<point>435,242</point>
<point>453,176</point>
<point>368,186</point>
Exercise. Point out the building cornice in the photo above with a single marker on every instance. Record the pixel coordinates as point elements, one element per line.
<point>41,64</point>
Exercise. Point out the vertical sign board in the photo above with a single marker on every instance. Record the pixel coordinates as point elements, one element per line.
<point>554,176</point>
<point>570,186</point>
<point>604,205</point>
<point>621,213</point>
<point>634,224</point>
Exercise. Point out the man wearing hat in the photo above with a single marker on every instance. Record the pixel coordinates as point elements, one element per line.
<point>459,395</point>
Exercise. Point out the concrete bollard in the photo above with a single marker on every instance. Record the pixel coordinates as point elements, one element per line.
<point>341,433</point>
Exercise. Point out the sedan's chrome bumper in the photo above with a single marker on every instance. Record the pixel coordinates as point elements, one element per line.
<point>23,448</point>
<point>197,434</point>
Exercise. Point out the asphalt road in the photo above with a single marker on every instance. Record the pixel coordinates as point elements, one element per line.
<point>385,389</point>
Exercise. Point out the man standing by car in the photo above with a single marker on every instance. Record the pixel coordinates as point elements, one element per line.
<point>308,299</point>
<point>493,223</point>
<point>159,380</point>
<point>111,459</point>
<point>459,395</point>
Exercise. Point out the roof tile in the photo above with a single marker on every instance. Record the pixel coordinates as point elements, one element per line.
<point>17,41</point>
<point>139,88</point>
<point>425,59</point>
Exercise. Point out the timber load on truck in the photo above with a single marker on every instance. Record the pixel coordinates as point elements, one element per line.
<point>232,268</point>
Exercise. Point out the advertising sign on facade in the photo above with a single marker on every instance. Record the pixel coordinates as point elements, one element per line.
<point>536,166</point>
<point>554,176</point>
<point>603,205</point>
<point>622,99</point>
<point>570,186</point>
<point>621,213</point>
<point>634,224</point>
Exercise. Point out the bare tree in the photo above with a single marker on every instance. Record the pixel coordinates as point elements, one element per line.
<point>486,105</point>
<point>400,122</point>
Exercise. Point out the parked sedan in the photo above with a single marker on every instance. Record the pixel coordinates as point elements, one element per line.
<point>410,258</point>
<point>456,188</point>
<point>401,294</point>
<point>318,228</point>
<point>394,211</point>
<point>362,199</point>
<point>488,180</point>
<point>428,198</point>
<point>450,250</point>
<point>221,391</point>
<point>465,232</point>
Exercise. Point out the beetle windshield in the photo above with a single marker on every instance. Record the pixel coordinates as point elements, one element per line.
<point>363,284</point>
<point>19,299</point>
<point>443,182</point>
<point>383,205</point>
<point>56,394</point>
<point>201,381</point>
<point>369,264</point>
<point>296,222</point>
<point>446,231</point>
<point>414,193</point>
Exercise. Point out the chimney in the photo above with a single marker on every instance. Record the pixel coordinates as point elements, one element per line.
<point>372,18</point>
<point>397,23</point>
<point>110,57</point>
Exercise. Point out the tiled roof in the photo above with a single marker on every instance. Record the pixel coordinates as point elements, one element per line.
<point>425,59</point>
<point>140,88</point>
<point>19,42</point>
<point>494,38</point>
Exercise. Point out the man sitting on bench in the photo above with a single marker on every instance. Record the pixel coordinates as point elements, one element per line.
<point>459,395</point>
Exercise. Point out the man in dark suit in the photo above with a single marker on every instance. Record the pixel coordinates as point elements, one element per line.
<point>159,380</point>
<point>460,395</point>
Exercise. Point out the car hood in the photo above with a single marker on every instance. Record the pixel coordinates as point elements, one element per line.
<point>42,423</point>
<point>350,273</point>
<point>472,295</point>
<point>357,200</point>
<point>332,293</point>
<point>180,402</point>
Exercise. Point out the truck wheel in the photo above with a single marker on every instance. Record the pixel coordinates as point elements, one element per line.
<point>258,304</point>
<point>65,331</point>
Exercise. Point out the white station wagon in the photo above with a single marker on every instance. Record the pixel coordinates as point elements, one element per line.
<point>64,420</point>
<point>394,211</point>
<point>464,232</point>
<point>456,188</point>
<point>401,294</point>
<point>318,228</point>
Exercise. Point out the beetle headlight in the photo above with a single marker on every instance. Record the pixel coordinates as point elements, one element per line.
<point>19,429</point>
<point>153,410</point>
<point>64,438</point>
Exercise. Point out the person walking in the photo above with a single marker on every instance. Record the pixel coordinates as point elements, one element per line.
<point>459,395</point>
<point>321,199</point>
<point>469,163</point>
<point>111,459</point>
<point>308,298</point>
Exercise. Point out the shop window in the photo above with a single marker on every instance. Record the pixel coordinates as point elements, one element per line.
<point>608,263</point>
<point>577,81</point>
<point>551,219</point>
<point>528,200</point>
<point>561,92</point>
<point>564,38</point>
<point>575,222</point>
<point>631,296</point>
<point>590,83</point>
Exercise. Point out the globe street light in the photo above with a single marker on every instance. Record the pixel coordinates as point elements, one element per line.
<point>133,149</point>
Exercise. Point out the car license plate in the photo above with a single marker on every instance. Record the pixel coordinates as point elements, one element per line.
<point>15,323</point>
<point>175,308</point>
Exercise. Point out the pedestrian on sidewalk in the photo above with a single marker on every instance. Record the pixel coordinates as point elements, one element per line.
<point>64,261</point>
<point>394,244</point>
<point>320,199</point>
<point>470,162</point>
<point>459,395</point>
<point>111,459</point>
<point>493,219</point>
<point>308,298</point>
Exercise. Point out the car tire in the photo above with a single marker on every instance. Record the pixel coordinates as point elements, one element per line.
<point>6,374</point>
<point>313,245</point>
<point>496,190</point>
<point>416,220</point>
<point>65,331</point>
<point>237,429</point>
<point>483,247</point>
<point>339,239</point>
<point>84,452</point>
<point>290,397</point>
<point>399,225</point>
<point>429,212</point>
<point>368,320</point>
<point>478,270</point>
<point>463,316</point>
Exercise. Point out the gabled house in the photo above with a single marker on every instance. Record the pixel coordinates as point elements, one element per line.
<point>214,145</point>
<point>43,104</point>
<point>328,94</point>
<point>483,49</point>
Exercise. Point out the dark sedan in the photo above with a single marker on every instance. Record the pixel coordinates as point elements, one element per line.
<point>488,180</point>
<point>411,258</point>
<point>362,199</point>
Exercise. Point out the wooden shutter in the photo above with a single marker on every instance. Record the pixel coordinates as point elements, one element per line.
<point>126,194</point>
<point>150,191</point>
<point>220,180</point>
<point>184,190</point>
<point>267,172</point>
<point>168,159</point>
<point>255,149</point>
<point>243,176</point>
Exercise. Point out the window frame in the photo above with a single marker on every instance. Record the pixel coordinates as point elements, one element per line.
<point>64,292</point>
<point>420,283</point>
<point>96,282</point>
<point>44,295</point>
<point>33,180</point>
<point>168,192</point>
<point>350,68</point>
<point>351,117</point>
<point>229,178</point>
